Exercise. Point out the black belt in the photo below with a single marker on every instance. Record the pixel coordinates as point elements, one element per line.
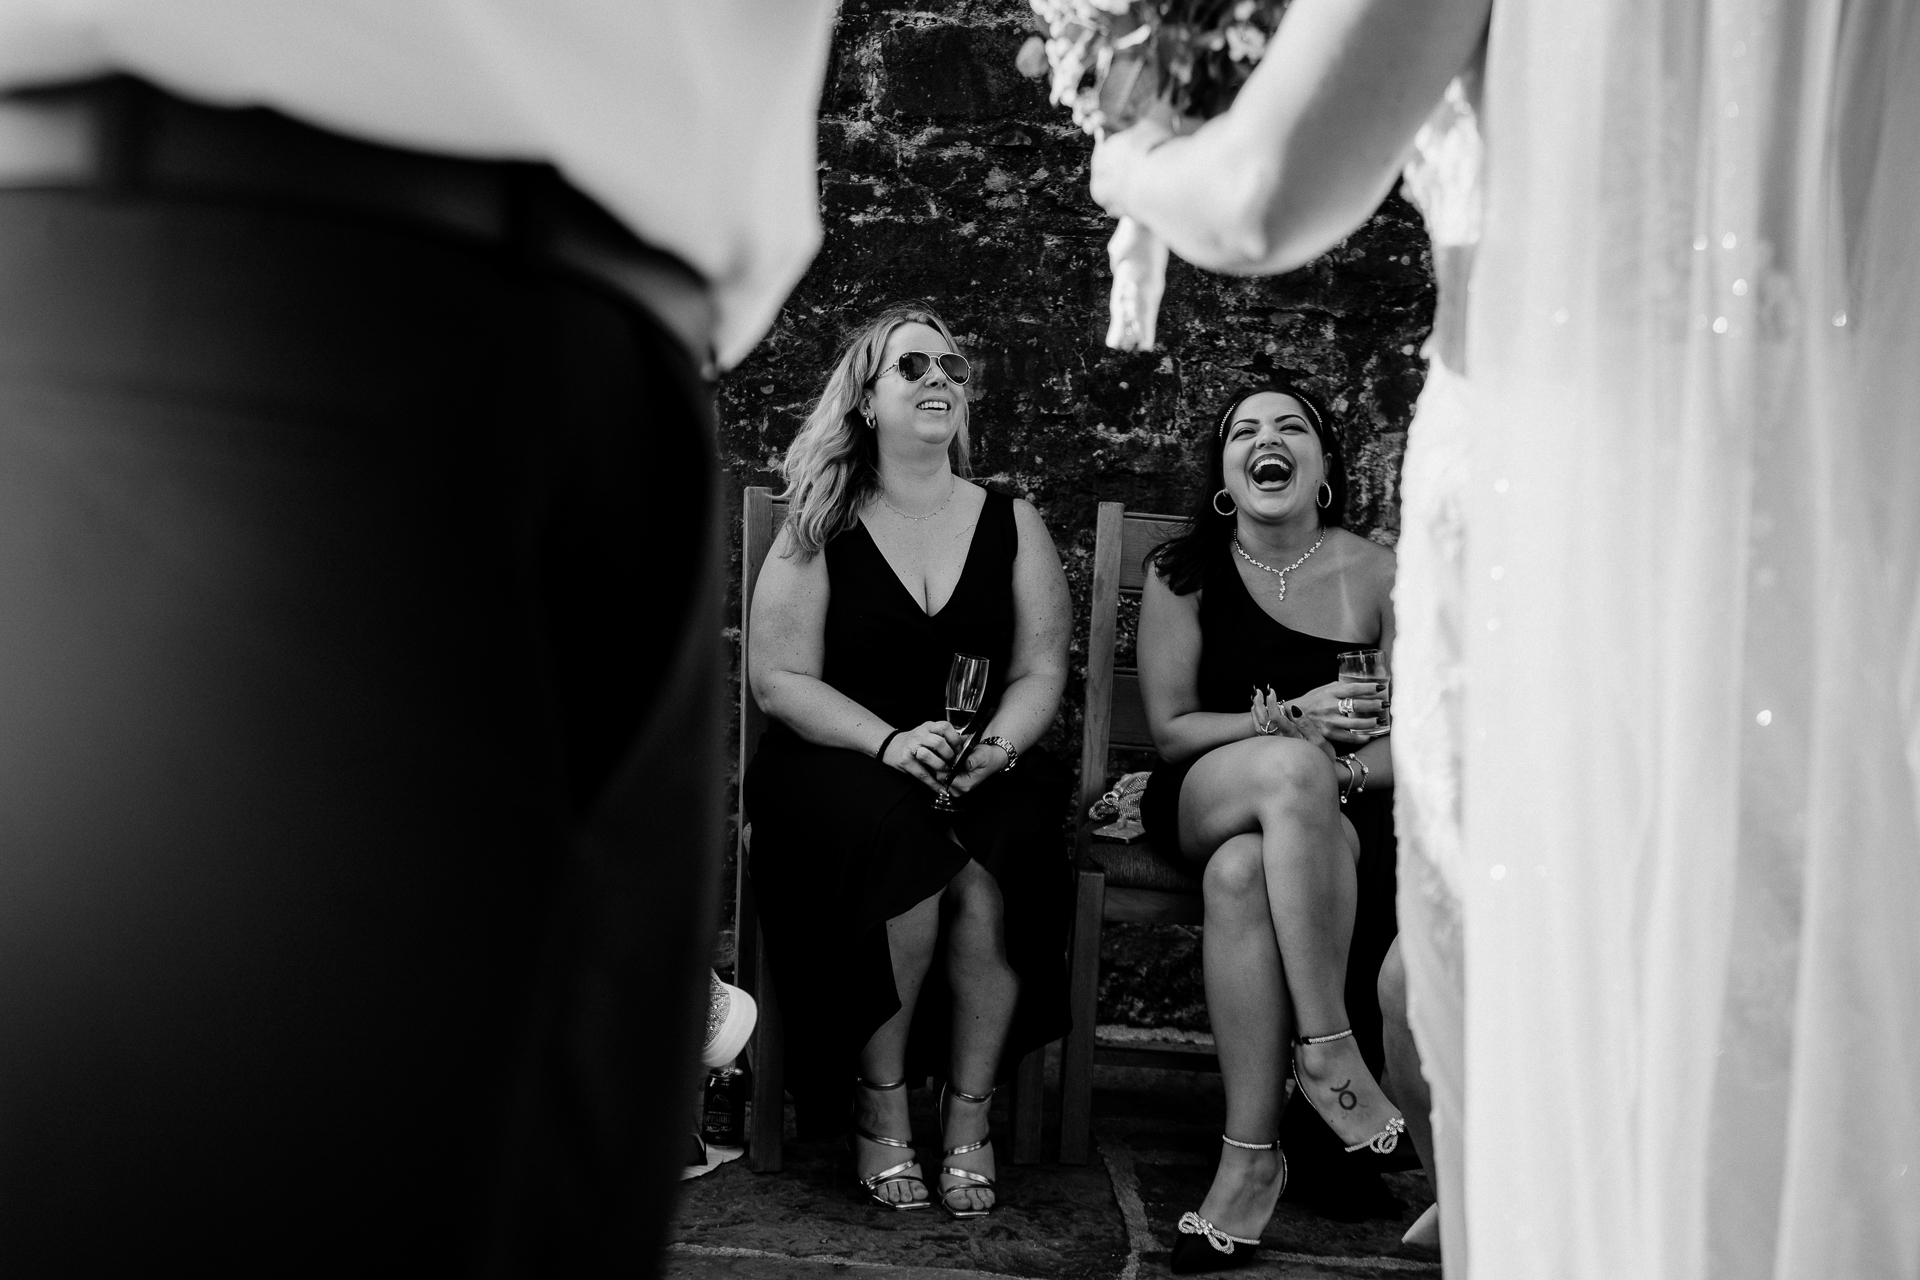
<point>124,137</point>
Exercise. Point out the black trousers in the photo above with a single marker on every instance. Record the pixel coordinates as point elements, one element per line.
<point>360,731</point>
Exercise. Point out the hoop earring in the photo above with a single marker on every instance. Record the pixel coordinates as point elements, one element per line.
<point>867,413</point>
<point>1326,492</point>
<point>1229,497</point>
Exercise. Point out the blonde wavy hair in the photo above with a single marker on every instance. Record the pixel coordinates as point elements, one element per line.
<point>831,467</point>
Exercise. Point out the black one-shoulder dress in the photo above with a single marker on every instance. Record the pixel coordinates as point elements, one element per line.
<point>842,843</point>
<point>1242,647</point>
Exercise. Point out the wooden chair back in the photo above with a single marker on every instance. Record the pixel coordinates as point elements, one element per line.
<point>1115,714</point>
<point>761,516</point>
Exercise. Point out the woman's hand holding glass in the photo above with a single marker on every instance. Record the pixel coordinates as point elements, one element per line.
<point>1346,711</point>
<point>925,752</point>
<point>1317,717</point>
<point>981,763</point>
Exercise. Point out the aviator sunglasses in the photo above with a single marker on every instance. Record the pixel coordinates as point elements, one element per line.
<point>913,366</point>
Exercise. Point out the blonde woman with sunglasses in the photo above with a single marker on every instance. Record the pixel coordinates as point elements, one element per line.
<point>907,941</point>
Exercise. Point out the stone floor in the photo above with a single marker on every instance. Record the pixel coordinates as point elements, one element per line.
<point>1156,1139</point>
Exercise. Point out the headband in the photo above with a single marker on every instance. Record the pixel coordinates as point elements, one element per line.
<point>1221,431</point>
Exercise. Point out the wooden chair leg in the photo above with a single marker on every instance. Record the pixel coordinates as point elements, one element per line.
<point>1083,989</point>
<point>1029,1086</point>
<point>764,1144</point>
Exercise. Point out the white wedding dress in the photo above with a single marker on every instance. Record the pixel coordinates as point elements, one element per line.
<point>1657,695</point>
<point>1443,180</point>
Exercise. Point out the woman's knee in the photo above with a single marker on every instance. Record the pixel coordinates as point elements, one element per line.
<point>1291,772</point>
<point>974,904</point>
<point>1235,876</point>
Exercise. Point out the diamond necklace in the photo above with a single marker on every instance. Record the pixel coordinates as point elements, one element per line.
<point>952,486</point>
<point>1279,573</point>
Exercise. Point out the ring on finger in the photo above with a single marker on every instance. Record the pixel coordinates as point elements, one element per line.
<point>1346,706</point>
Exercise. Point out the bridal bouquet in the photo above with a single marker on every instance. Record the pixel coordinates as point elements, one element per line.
<point>1114,62</point>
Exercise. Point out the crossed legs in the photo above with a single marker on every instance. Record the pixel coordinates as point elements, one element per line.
<point>1279,890</point>
<point>985,989</point>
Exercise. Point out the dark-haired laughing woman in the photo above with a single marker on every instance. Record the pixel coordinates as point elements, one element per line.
<point>1269,780</point>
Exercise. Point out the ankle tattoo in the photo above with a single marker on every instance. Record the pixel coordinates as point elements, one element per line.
<point>1348,1098</point>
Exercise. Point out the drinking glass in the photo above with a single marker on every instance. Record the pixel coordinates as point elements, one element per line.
<point>1370,664</point>
<point>966,689</point>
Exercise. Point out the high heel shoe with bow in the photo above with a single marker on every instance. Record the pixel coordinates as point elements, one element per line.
<point>1381,1143</point>
<point>1204,1247</point>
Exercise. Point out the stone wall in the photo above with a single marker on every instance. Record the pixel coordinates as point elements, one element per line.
<point>946,176</point>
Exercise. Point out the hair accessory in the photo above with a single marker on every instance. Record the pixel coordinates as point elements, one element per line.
<point>1220,432</point>
<point>1229,497</point>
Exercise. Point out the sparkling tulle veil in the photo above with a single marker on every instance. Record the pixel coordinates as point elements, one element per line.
<point>1691,798</point>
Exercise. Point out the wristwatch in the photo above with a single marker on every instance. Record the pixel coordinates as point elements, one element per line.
<point>995,740</point>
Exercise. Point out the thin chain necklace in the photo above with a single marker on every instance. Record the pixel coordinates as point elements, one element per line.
<point>952,487</point>
<point>1279,573</point>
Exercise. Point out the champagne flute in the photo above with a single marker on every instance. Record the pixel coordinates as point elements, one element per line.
<point>1370,665</point>
<point>966,690</point>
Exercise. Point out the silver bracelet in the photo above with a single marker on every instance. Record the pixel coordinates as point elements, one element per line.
<point>1347,790</point>
<point>995,740</point>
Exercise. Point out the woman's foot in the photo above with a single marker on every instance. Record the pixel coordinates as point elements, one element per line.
<point>1246,1186</point>
<point>1338,1084</point>
<point>964,1123</point>
<point>884,1112</point>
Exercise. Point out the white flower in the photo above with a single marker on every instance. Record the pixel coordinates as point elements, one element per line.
<point>1246,42</point>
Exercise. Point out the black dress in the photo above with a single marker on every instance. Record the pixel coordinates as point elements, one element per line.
<point>1243,648</point>
<point>842,843</point>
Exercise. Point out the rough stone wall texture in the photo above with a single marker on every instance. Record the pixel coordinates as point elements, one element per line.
<point>947,177</point>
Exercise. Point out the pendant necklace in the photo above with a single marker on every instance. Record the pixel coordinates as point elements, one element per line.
<point>1279,573</point>
<point>952,488</point>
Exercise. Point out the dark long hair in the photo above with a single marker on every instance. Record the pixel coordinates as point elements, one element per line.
<point>1183,559</point>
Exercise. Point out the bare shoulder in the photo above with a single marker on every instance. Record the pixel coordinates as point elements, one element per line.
<point>1365,560</point>
<point>1029,525</point>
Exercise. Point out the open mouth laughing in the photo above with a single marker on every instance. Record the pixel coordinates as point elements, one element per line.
<point>1271,471</point>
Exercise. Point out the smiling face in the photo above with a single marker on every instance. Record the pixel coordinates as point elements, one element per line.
<point>1272,462</point>
<point>923,413</point>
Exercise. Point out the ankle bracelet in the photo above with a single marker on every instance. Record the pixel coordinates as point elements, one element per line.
<point>1249,1146</point>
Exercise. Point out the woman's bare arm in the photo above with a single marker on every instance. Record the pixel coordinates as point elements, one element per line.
<point>786,655</point>
<point>1169,649</point>
<point>1312,144</point>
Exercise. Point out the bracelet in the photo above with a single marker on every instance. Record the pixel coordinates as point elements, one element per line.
<point>880,752</point>
<point>995,740</point>
<point>1365,772</point>
<point>1347,789</point>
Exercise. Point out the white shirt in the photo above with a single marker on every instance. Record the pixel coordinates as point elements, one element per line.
<point>692,120</point>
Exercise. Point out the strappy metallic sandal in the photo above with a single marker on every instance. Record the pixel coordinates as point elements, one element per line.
<point>898,1173</point>
<point>1380,1143</point>
<point>1205,1247</point>
<point>950,1171</point>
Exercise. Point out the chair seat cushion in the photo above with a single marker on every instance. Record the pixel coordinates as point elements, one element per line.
<point>1137,866</point>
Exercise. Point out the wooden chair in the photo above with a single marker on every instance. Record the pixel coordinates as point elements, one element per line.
<point>761,517</point>
<point>1116,881</point>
